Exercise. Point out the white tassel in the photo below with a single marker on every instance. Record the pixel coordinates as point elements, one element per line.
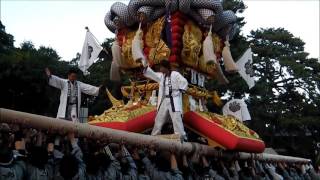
<point>220,76</point>
<point>193,76</point>
<point>153,99</point>
<point>201,109</point>
<point>116,53</point>
<point>192,103</point>
<point>114,72</point>
<point>201,80</point>
<point>208,49</point>
<point>210,57</point>
<point>229,64</point>
<point>136,49</point>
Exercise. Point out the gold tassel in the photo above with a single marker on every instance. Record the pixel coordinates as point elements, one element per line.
<point>115,102</point>
<point>216,99</point>
<point>229,64</point>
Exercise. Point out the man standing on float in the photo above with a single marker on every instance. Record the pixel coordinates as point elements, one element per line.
<point>70,97</point>
<point>171,86</point>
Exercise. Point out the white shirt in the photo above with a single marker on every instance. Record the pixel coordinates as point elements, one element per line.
<point>62,84</point>
<point>178,83</point>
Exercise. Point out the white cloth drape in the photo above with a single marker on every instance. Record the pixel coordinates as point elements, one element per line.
<point>238,109</point>
<point>245,68</point>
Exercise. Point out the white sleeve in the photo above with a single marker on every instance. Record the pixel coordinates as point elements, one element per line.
<point>183,83</point>
<point>89,89</point>
<point>56,82</point>
<point>149,73</point>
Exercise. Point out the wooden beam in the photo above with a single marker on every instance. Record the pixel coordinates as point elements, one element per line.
<point>118,136</point>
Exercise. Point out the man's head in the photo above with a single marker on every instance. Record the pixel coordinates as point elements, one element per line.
<point>92,163</point>
<point>165,66</point>
<point>6,154</point>
<point>162,161</point>
<point>72,74</point>
<point>68,166</point>
<point>38,157</point>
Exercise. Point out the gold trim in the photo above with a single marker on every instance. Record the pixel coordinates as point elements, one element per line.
<point>231,125</point>
<point>122,113</point>
<point>211,142</point>
<point>191,40</point>
<point>115,102</point>
<point>194,91</point>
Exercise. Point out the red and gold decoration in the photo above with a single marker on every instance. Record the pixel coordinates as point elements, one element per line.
<point>191,50</point>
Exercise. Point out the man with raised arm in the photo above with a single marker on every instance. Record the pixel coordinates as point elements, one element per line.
<point>169,105</point>
<point>70,98</point>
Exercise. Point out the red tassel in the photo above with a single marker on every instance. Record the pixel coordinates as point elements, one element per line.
<point>176,43</point>
<point>175,50</point>
<point>173,58</point>
<point>177,29</point>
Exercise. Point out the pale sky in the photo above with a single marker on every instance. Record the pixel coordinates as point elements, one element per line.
<point>60,24</point>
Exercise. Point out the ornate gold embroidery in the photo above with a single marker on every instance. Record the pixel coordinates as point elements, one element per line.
<point>232,124</point>
<point>158,49</point>
<point>191,39</point>
<point>122,114</point>
<point>115,102</point>
<point>128,62</point>
<point>209,69</point>
<point>217,43</point>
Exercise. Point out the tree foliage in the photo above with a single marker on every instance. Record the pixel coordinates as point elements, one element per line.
<point>26,88</point>
<point>286,95</point>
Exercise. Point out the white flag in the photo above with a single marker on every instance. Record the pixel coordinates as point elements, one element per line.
<point>90,52</point>
<point>238,109</point>
<point>246,71</point>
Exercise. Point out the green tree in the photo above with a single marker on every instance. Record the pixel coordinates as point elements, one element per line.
<point>22,73</point>
<point>6,40</point>
<point>286,94</point>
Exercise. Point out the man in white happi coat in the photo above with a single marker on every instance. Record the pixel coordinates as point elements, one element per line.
<point>70,97</point>
<point>169,105</point>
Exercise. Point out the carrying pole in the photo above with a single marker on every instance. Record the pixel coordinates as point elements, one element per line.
<point>117,136</point>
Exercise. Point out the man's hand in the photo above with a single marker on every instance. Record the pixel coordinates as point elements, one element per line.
<point>102,88</point>
<point>40,138</point>
<point>173,162</point>
<point>152,150</point>
<point>50,147</point>
<point>71,138</point>
<point>20,145</point>
<point>135,154</point>
<point>48,72</point>
<point>185,160</point>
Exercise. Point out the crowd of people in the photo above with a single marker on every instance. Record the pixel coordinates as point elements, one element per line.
<point>26,153</point>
